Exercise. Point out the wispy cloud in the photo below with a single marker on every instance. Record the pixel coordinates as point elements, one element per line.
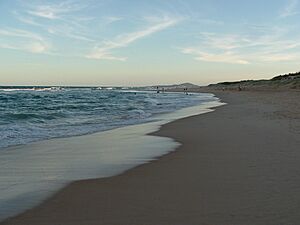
<point>24,40</point>
<point>71,20</point>
<point>290,9</point>
<point>55,11</point>
<point>104,50</point>
<point>210,21</point>
<point>68,31</point>
<point>26,19</point>
<point>112,19</point>
<point>20,33</point>
<point>62,19</point>
<point>218,48</point>
<point>225,57</point>
<point>245,49</point>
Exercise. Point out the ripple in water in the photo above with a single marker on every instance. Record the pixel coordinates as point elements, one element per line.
<point>28,115</point>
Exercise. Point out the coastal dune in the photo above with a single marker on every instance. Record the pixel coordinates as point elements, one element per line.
<point>237,165</point>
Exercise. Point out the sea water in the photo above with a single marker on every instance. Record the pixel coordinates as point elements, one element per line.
<point>50,137</point>
<point>28,115</point>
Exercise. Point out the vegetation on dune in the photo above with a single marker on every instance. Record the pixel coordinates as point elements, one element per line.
<point>290,76</point>
<point>290,81</point>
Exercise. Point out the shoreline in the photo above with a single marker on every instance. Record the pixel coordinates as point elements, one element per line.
<point>230,169</point>
<point>156,116</point>
<point>75,119</point>
<point>97,155</point>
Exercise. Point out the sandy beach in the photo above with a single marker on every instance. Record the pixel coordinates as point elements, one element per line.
<point>238,165</point>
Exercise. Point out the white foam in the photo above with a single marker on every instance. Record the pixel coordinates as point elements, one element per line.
<point>32,172</point>
<point>32,89</point>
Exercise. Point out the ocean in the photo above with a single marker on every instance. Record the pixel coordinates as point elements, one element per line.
<point>34,114</point>
<point>50,137</point>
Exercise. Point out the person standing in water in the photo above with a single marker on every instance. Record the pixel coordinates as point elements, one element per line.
<point>157,90</point>
<point>185,91</point>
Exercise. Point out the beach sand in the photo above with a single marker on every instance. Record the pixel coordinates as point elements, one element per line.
<point>238,165</point>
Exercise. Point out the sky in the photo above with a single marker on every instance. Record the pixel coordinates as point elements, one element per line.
<point>142,42</point>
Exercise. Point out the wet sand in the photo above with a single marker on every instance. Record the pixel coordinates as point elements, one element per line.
<point>238,165</point>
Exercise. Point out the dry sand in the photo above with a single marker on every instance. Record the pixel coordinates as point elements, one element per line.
<point>239,165</point>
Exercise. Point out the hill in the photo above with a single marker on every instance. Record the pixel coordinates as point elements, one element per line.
<point>286,81</point>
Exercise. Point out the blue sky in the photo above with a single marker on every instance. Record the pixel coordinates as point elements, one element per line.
<point>139,42</point>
